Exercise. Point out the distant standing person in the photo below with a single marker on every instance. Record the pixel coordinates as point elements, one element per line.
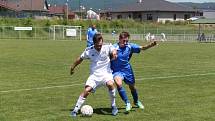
<point>122,70</point>
<point>91,31</point>
<point>100,72</point>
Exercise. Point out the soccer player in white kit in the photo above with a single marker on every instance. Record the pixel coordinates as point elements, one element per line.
<point>100,71</point>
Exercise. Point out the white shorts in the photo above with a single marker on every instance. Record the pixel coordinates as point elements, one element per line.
<point>95,81</point>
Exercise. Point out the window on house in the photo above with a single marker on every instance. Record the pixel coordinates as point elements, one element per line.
<point>129,16</point>
<point>174,17</point>
<point>140,16</point>
<point>119,16</point>
<point>149,17</point>
<point>186,16</point>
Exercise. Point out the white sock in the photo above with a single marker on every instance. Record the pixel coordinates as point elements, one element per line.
<point>112,94</point>
<point>79,103</point>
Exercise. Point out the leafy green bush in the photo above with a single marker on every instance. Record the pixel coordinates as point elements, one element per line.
<point>104,26</point>
<point>28,22</point>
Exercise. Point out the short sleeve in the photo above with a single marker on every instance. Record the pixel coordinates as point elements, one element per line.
<point>85,54</point>
<point>135,48</point>
<point>88,30</point>
<point>115,46</point>
<point>111,48</point>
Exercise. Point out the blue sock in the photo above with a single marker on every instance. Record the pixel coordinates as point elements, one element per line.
<point>134,95</point>
<point>123,94</point>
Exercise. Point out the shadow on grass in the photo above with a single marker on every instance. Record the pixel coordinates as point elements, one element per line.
<point>100,111</point>
<point>106,111</point>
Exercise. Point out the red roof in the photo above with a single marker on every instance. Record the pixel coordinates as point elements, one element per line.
<point>59,10</point>
<point>34,5</point>
<point>56,9</point>
<point>7,5</point>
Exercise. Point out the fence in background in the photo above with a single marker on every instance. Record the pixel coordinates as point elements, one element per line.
<point>8,32</point>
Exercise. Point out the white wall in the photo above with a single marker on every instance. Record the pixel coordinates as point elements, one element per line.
<point>209,14</point>
<point>157,16</point>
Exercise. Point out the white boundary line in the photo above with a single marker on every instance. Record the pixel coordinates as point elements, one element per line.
<point>75,84</point>
<point>40,88</point>
<point>165,77</point>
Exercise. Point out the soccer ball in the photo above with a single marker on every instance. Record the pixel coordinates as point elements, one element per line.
<point>86,110</point>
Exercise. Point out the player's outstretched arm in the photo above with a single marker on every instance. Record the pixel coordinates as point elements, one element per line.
<point>149,45</point>
<point>77,62</point>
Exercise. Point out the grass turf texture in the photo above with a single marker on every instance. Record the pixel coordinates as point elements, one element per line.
<point>176,82</point>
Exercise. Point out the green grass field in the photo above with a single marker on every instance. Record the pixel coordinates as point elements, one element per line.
<point>176,82</point>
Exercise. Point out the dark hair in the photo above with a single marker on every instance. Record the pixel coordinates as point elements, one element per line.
<point>124,35</point>
<point>93,26</point>
<point>97,38</point>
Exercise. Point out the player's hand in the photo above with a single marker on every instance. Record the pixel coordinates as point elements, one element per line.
<point>154,43</point>
<point>72,71</point>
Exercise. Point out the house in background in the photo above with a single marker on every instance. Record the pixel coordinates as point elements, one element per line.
<point>153,10</point>
<point>23,8</point>
<point>32,8</point>
<point>6,9</point>
<point>60,12</point>
<point>38,9</point>
<point>209,13</point>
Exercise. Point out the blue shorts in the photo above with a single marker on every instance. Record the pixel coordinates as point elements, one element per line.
<point>128,78</point>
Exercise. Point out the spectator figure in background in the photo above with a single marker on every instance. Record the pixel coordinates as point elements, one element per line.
<point>202,37</point>
<point>152,38</point>
<point>113,32</point>
<point>90,33</point>
<point>148,37</point>
<point>100,72</point>
<point>163,37</point>
<point>122,70</point>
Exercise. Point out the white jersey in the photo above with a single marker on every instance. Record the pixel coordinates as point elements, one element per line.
<point>100,61</point>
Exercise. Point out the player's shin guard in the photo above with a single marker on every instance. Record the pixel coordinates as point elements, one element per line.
<point>79,103</point>
<point>134,95</point>
<point>123,94</point>
<point>112,94</point>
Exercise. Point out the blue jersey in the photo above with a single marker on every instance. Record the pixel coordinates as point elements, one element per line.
<point>90,34</point>
<point>121,66</point>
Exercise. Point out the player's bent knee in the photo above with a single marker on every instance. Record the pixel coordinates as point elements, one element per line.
<point>118,81</point>
<point>110,83</point>
<point>118,84</point>
<point>88,89</point>
<point>85,93</point>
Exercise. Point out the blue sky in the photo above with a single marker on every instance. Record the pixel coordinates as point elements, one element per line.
<point>195,1</point>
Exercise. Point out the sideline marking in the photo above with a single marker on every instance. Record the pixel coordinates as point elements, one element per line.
<point>40,88</point>
<point>165,77</point>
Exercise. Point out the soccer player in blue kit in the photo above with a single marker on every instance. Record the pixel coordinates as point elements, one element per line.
<point>122,70</point>
<point>90,33</point>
